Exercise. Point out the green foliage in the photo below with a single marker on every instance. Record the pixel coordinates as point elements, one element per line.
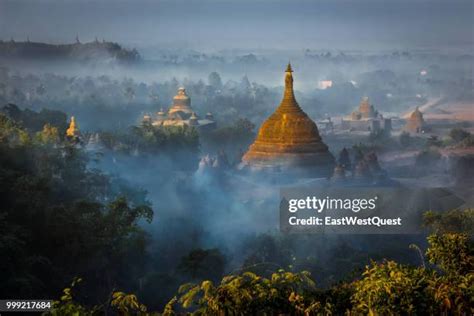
<point>451,252</point>
<point>451,221</point>
<point>178,143</point>
<point>240,133</point>
<point>92,227</point>
<point>35,121</point>
<point>461,138</point>
<point>453,290</point>
<point>389,288</point>
<point>459,134</point>
<point>49,135</point>
<point>203,264</point>
<point>385,288</point>
<point>127,304</point>
<point>250,294</point>
<point>150,139</point>
<point>120,303</point>
<point>67,306</point>
<point>11,133</point>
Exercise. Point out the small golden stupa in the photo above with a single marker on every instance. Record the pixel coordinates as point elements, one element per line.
<point>289,140</point>
<point>73,130</point>
<point>415,123</point>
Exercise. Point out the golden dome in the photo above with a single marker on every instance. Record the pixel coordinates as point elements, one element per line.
<point>181,102</point>
<point>415,123</point>
<point>289,139</point>
<point>365,109</point>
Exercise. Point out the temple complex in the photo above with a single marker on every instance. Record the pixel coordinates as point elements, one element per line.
<point>415,123</point>
<point>367,118</point>
<point>180,113</point>
<point>289,141</point>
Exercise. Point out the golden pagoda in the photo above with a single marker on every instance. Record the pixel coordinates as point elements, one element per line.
<point>73,130</point>
<point>181,103</point>
<point>415,123</point>
<point>289,140</point>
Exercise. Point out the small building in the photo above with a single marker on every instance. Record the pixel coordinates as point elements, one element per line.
<point>415,122</point>
<point>73,129</point>
<point>73,133</point>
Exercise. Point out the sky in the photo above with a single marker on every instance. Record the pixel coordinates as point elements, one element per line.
<point>209,25</point>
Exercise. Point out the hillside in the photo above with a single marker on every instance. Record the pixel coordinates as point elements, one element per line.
<point>77,51</point>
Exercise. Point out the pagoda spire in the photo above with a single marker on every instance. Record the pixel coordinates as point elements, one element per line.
<point>289,100</point>
<point>289,139</point>
<point>73,130</point>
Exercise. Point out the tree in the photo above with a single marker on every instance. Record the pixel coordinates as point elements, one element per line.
<point>250,294</point>
<point>203,264</point>
<point>344,159</point>
<point>384,288</point>
<point>129,94</point>
<point>358,155</point>
<point>458,134</point>
<point>215,81</point>
<point>389,288</point>
<point>91,221</point>
<point>49,135</point>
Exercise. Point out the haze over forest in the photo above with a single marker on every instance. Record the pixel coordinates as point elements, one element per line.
<point>138,156</point>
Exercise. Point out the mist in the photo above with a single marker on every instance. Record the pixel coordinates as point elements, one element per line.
<point>231,56</point>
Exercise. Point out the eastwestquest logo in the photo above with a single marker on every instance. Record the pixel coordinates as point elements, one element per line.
<point>358,210</point>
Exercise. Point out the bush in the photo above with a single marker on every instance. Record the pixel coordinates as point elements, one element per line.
<point>458,134</point>
<point>390,288</point>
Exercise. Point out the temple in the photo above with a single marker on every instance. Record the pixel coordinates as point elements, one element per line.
<point>415,123</point>
<point>289,141</point>
<point>367,118</point>
<point>181,113</point>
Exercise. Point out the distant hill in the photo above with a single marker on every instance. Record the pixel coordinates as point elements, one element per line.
<point>77,51</point>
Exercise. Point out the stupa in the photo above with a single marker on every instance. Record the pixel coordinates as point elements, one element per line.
<point>72,133</point>
<point>415,123</point>
<point>181,103</point>
<point>289,141</point>
<point>73,129</point>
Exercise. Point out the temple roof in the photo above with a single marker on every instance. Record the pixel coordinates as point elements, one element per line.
<point>181,102</point>
<point>416,115</point>
<point>181,94</point>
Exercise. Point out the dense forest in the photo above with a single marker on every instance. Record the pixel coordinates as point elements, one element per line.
<point>443,284</point>
<point>66,223</point>
<point>152,154</point>
<point>59,218</point>
<point>78,51</point>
